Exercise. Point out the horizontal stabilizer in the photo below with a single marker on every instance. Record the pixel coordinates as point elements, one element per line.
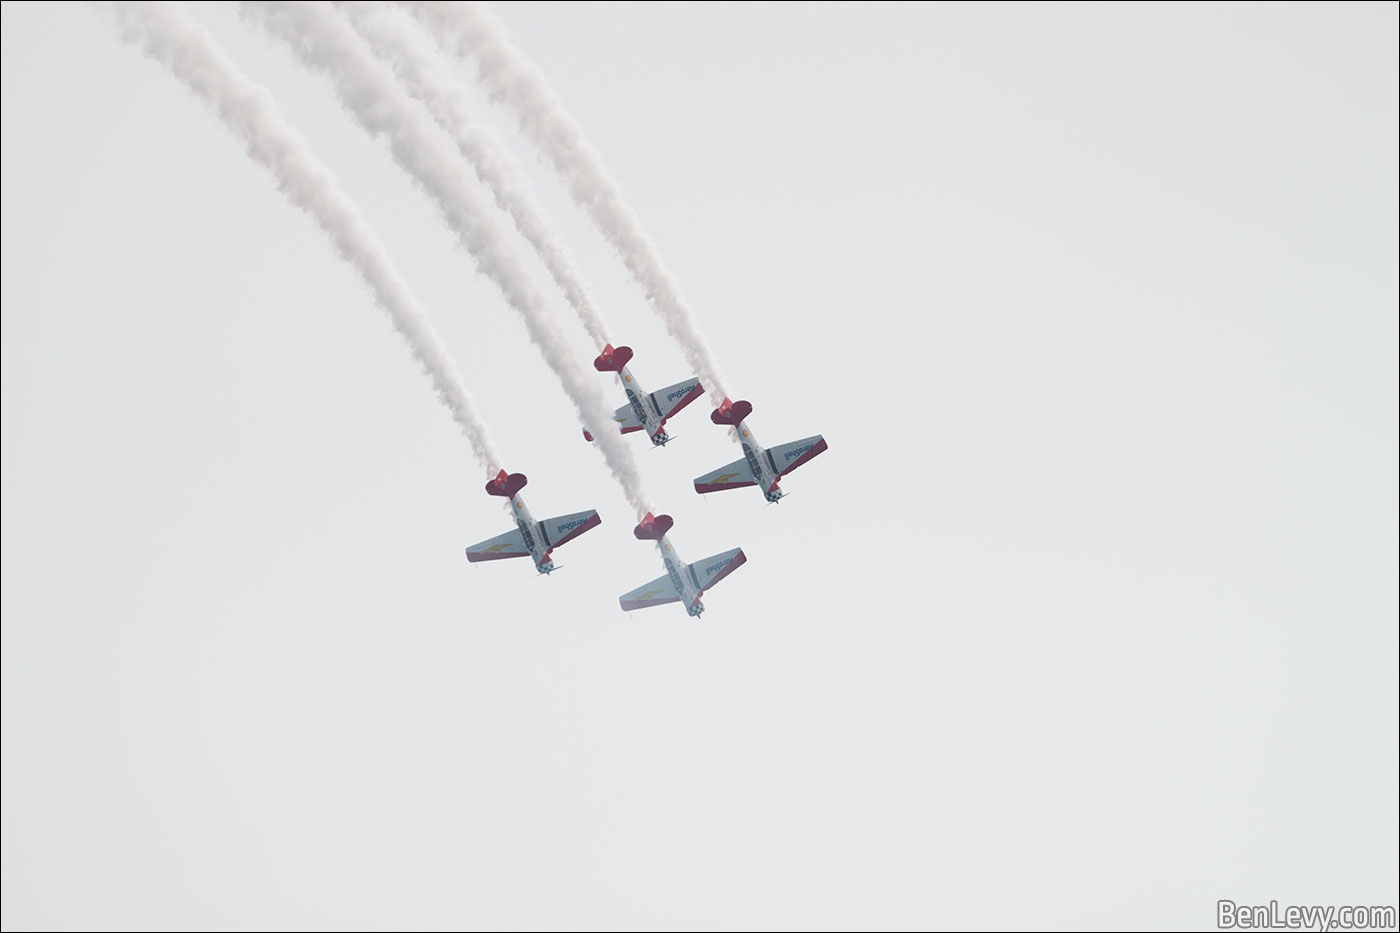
<point>506,486</point>
<point>731,413</point>
<point>612,360</point>
<point>653,528</point>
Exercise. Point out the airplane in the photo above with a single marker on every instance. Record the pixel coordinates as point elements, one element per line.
<point>532,539</point>
<point>759,466</point>
<point>682,582</point>
<point>644,412</point>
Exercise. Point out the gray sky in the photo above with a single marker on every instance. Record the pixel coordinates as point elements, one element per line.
<point>1087,617</point>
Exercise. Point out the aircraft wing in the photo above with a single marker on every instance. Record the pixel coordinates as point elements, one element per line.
<point>565,528</point>
<point>626,419</point>
<point>673,398</point>
<point>510,544</point>
<point>730,476</point>
<point>711,570</point>
<point>787,457</point>
<point>656,593</point>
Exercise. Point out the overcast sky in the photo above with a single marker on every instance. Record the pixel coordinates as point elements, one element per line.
<point>1088,617</point>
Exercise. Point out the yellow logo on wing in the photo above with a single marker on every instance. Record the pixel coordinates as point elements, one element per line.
<point>650,593</point>
<point>726,477</point>
<point>495,549</point>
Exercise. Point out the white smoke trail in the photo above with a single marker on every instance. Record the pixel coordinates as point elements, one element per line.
<point>326,42</point>
<point>464,29</point>
<point>393,39</point>
<point>165,33</point>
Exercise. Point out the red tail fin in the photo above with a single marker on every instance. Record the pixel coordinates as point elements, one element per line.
<point>506,486</point>
<point>731,413</point>
<point>653,528</point>
<point>612,361</point>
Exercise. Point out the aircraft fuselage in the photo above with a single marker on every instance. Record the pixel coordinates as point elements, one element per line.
<point>764,475</point>
<point>644,408</point>
<point>529,531</point>
<point>681,577</point>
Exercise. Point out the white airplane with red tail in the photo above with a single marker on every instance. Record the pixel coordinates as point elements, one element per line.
<point>682,582</point>
<point>760,466</point>
<point>532,539</point>
<point>644,411</point>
